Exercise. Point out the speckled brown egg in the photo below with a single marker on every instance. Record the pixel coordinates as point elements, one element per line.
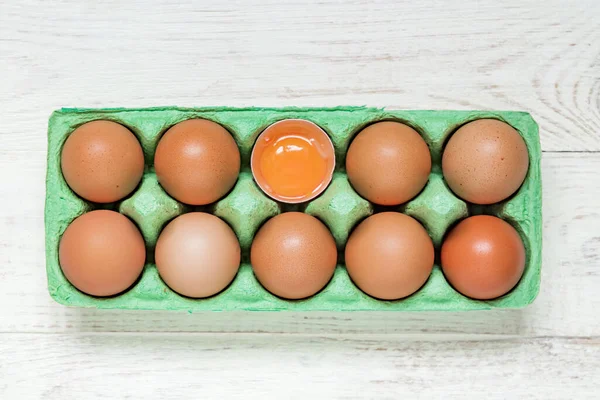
<point>293,255</point>
<point>389,256</point>
<point>102,161</point>
<point>483,257</point>
<point>485,161</point>
<point>102,253</point>
<point>197,255</point>
<point>197,161</point>
<point>388,163</point>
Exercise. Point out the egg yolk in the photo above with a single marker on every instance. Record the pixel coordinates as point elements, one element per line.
<point>293,166</point>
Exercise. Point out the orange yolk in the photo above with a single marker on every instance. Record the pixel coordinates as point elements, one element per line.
<point>293,166</point>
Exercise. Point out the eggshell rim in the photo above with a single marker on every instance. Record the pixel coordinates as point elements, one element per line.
<point>324,183</point>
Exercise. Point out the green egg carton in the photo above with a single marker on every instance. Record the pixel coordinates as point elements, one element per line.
<point>246,208</point>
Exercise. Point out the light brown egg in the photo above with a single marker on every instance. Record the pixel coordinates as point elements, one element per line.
<point>293,255</point>
<point>485,161</point>
<point>483,257</point>
<point>102,253</point>
<point>388,163</point>
<point>389,256</point>
<point>197,161</point>
<point>197,255</point>
<point>102,161</point>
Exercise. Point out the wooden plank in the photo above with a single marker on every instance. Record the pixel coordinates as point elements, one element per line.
<point>140,366</point>
<point>542,57</point>
<point>567,305</point>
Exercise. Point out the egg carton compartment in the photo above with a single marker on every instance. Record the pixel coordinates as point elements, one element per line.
<point>245,208</point>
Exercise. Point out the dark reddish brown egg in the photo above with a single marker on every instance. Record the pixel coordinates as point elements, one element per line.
<point>485,161</point>
<point>293,255</point>
<point>388,163</point>
<point>102,253</point>
<point>102,161</point>
<point>197,161</point>
<point>483,257</point>
<point>389,256</point>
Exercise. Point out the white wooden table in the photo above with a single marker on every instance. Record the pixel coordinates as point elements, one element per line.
<point>543,57</point>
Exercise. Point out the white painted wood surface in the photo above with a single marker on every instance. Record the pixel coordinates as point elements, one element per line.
<point>543,57</point>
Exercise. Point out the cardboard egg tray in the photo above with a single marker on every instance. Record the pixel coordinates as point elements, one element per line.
<point>246,208</point>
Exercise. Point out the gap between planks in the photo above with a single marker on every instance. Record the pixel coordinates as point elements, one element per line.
<point>400,337</point>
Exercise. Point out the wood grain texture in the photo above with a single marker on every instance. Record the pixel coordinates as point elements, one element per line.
<point>268,366</point>
<point>542,57</point>
<point>525,55</point>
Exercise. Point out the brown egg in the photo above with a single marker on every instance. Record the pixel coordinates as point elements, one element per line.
<point>483,257</point>
<point>293,255</point>
<point>389,256</point>
<point>388,163</point>
<point>485,161</point>
<point>197,255</point>
<point>197,161</point>
<point>102,253</point>
<point>102,161</point>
